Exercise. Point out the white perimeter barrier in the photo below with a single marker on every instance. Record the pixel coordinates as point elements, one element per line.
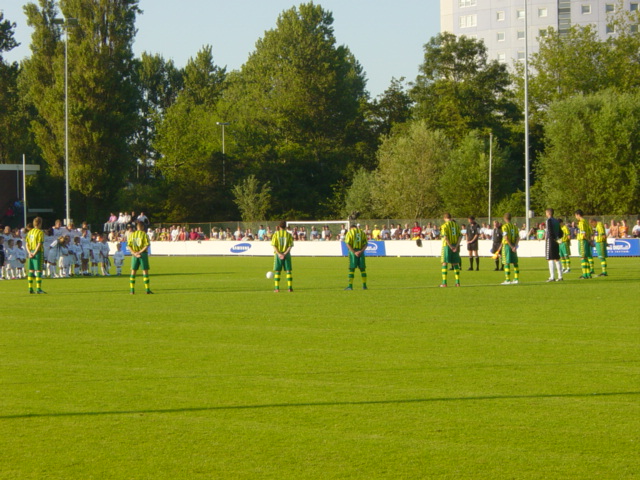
<point>398,248</point>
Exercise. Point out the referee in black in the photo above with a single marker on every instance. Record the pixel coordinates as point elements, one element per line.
<point>473,235</point>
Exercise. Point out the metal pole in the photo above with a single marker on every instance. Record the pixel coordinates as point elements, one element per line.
<point>490,165</point>
<point>66,121</point>
<point>24,187</point>
<point>224,172</point>
<point>526,118</point>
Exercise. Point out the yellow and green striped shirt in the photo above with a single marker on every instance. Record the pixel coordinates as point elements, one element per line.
<point>584,230</point>
<point>601,233</point>
<point>35,237</point>
<point>450,231</point>
<point>510,234</point>
<point>138,240</point>
<point>356,238</point>
<point>282,240</point>
<point>566,235</point>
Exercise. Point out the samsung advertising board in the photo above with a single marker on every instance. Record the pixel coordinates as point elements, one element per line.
<point>622,247</point>
<point>374,249</point>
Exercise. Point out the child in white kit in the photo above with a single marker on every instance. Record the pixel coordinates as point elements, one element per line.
<point>96,256</point>
<point>9,272</point>
<point>20,259</point>
<point>104,264</point>
<point>118,259</point>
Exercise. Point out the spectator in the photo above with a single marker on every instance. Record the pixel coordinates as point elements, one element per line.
<point>261,233</point>
<point>385,234</point>
<point>302,233</point>
<point>193,235</point>
<point>623,229</point>
<point>143,218</point>
<point>416,231</point>
<point>375,234</point>
<point>635,232</point>
<point>613,229</point>
<point>121,223</point>
<point>523,232</point>
<point>175,233</point>
<point>238,234</point>
<point>367,232</point>
<point>315,235</point>
<point>541,232</point>
<point>110,226</point>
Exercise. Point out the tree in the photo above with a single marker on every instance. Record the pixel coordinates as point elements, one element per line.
<point>188,141</point>
<point>410,165</point>
<point>158,82</point>
<point>580,62</point>
<point>464,184</point>
<point>360,196</point>
<point>298,106</point>
<point>253,200</point>
<point>459,89</point>
<point>592,156</point>
<point>103,97</point>
<point>14,116</point>
<point>391,108</point>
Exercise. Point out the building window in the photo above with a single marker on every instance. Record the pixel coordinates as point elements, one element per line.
<point>520,14</point>
<point>520,55</point>
<point>633,7</point>
<point>502,57</point>
<point>467,21</point>
<point>500,36</point>
<point>542,32</point>
<point>500,16</point>
<point>543,12</point>
<point>473,37</point>
<point>466,3</point>
<point>633,28</point>
<point>611,29</point>
<point>609,8</point>
<point>586,9</point>
<point>520,35</point>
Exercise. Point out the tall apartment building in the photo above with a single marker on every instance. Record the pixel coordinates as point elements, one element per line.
<point>501,23</point>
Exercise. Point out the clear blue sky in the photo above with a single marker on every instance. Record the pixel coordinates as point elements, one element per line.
<point>385,36</point>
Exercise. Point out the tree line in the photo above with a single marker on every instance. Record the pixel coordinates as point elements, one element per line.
<point>304,138</point>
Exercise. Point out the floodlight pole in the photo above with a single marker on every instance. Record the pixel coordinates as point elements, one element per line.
<point>526,120</point>
<point>65,22</point>
<point>490,167</point>
<point>24,188</point>
<point>224,173</point>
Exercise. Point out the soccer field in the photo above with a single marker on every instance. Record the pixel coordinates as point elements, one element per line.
<point>217,377</point>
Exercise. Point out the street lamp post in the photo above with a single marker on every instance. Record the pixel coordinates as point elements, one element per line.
<point>66,22</point>
<point>224,173</point>
<point>526,118</point>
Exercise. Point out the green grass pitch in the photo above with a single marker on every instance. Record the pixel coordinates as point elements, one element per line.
<point>217,377</point>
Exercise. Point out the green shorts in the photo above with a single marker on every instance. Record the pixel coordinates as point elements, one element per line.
<point>449,256</point>
<point>601,248</point>
<point>279,265</point>
<point>35,263</point>
<point>141,263</point>
<point>509,256</point>
<point>565,249</point>
<point>357,262</point>
<point>584,248</point>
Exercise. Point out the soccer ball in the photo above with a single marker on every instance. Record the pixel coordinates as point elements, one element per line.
<point>269,275</point>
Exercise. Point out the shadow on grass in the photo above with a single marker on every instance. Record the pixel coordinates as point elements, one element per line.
<point>319,404</point>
